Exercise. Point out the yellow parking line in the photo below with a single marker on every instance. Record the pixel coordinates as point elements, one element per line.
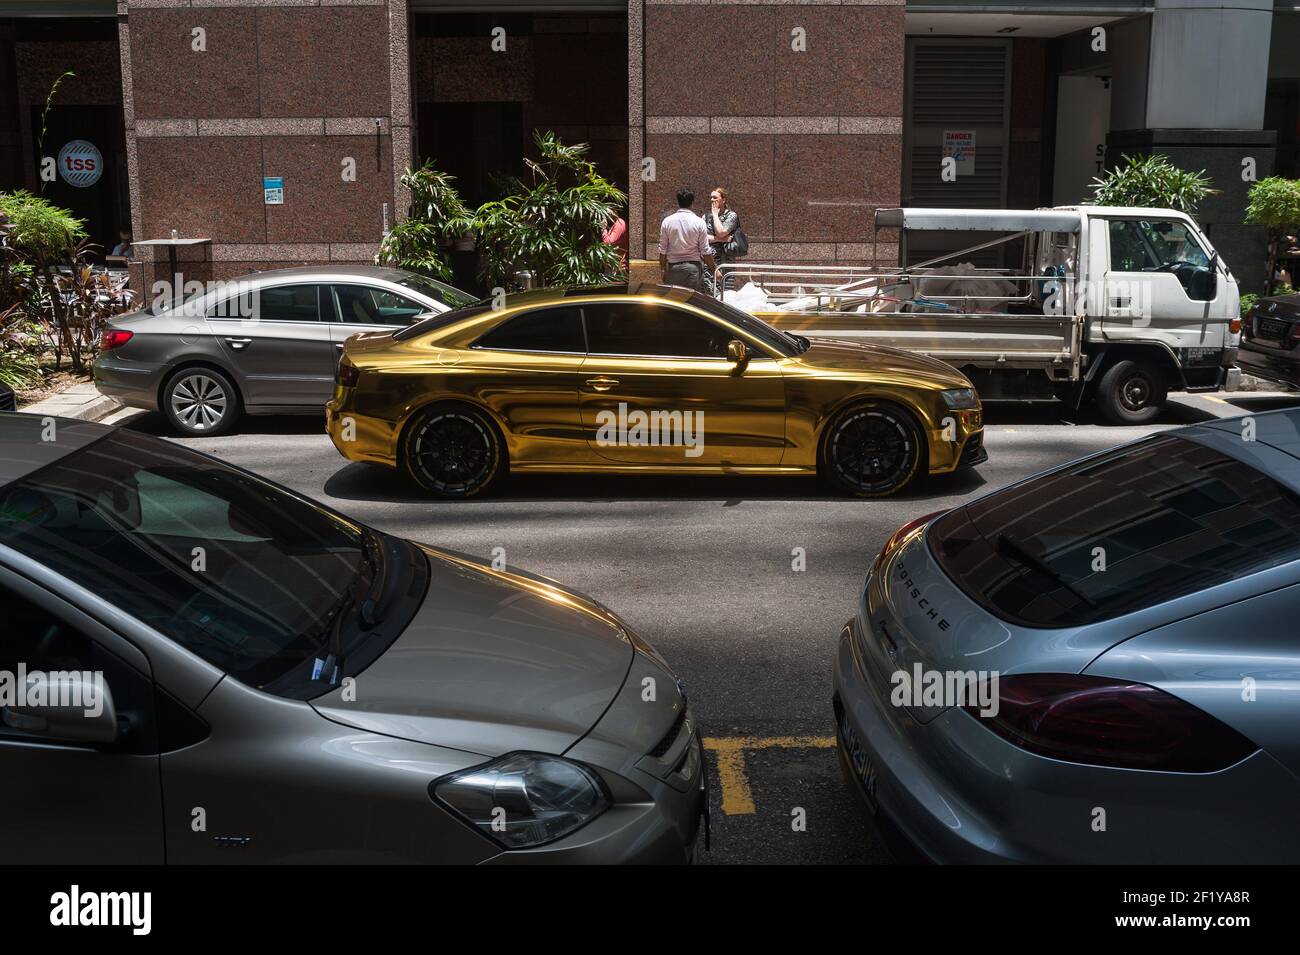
<point>737,799</point>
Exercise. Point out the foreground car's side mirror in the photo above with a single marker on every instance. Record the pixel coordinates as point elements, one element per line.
<point>65,705</point>
<point>736,351</point>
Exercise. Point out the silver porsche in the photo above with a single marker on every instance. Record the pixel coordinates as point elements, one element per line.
<point>202,667</point>
<point>1096,664</point>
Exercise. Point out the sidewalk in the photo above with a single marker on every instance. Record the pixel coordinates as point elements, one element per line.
<point>81,401</point>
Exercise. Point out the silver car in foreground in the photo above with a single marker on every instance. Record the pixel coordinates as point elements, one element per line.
<point>1139,611</point>
<point>265,343</point>
<point>200,666</point>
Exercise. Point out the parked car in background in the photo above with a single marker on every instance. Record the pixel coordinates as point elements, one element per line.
<point>410,704</point>
<point>1131,616</point>
<point>265,343</point>
<point>644,379</point>
<point>1270,335</point>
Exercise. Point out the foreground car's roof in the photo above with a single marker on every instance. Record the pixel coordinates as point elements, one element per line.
<point>29,442</point>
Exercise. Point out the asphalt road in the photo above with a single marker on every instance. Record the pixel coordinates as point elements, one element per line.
<point>703,568</point>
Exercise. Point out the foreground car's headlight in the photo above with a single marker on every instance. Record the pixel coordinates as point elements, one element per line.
<point>956,398</point>
<point>524,799</point>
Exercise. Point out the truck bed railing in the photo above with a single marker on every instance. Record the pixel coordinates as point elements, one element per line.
<point>819,288</point>
<point>987,317</point>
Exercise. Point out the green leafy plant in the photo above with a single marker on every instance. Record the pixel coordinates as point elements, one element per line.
<point>19,364</point>
<point>48,237</point>
<point>1274,203</point>
<point>551,224</point>
<point>437,215</point>
<point>1152,181</point>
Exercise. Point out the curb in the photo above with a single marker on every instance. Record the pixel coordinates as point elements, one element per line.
<point>94,410</point>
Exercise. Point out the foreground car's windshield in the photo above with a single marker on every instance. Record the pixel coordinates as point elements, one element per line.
<point>243,574</point>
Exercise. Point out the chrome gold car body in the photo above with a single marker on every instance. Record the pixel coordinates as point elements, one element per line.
<point>567,389</point>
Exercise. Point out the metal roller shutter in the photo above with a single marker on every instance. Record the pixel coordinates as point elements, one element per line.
<point>959,85</point>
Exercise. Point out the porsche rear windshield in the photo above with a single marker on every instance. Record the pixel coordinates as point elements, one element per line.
<point>1116,534</point>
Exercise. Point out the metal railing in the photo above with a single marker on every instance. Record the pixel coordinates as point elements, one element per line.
<point>831,288</point>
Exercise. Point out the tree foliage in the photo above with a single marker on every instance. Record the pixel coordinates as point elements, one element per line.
<point>437,216</point>
<point>551,224</point>
<point>1152,181</point>
<point>1274,203</point>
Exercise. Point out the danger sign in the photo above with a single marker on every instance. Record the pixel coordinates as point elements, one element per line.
<point>959,144</point>
<point>80,163</point>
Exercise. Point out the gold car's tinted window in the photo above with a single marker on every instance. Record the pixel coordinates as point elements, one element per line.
<point>617,328</point>
<point>545,330</point>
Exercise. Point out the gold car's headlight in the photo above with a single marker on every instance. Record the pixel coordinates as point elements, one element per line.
<point>960,398</point>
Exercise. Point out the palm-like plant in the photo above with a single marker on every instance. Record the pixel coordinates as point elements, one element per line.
<point>437,215</point>
<point>1152,181</point>
<point>552,223</point>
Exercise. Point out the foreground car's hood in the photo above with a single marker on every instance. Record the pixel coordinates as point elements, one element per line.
<point>842,356</point>
<point>492,662</point>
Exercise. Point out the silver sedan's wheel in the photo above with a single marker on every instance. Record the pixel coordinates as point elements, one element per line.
<point>201,401</point>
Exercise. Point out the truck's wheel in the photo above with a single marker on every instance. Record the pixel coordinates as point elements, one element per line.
<point>1131,393</point>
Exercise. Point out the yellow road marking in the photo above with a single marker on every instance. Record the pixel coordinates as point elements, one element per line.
<point>737,799</point>
<point>1219,400</point>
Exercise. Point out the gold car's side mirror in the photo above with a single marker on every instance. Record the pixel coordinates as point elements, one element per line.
<point>736,351</point>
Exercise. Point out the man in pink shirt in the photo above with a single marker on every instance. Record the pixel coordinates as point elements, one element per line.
<point>684,251</point>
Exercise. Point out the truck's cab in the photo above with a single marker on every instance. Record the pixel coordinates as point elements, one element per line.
<point>1161,308</point>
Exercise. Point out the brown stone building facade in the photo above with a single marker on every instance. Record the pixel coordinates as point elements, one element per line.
<point>811,114</point>
<point>216,98</point>
<point>797,109</point>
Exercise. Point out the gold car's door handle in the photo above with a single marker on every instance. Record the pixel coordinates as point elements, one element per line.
<point>602,383</point>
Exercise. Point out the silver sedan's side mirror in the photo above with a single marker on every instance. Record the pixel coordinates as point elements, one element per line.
<point>64,705</point>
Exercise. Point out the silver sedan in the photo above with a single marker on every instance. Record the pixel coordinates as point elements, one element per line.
<point>1097,664</point>
<point>201,666</point>
<point>265,343</point>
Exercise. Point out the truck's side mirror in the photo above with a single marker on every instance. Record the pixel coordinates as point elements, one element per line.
<point>68,707</point>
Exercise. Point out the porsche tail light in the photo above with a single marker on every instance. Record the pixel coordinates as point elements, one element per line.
<point>1106,722</point>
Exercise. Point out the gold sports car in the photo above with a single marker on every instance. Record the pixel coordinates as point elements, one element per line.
<point>644,379</point>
